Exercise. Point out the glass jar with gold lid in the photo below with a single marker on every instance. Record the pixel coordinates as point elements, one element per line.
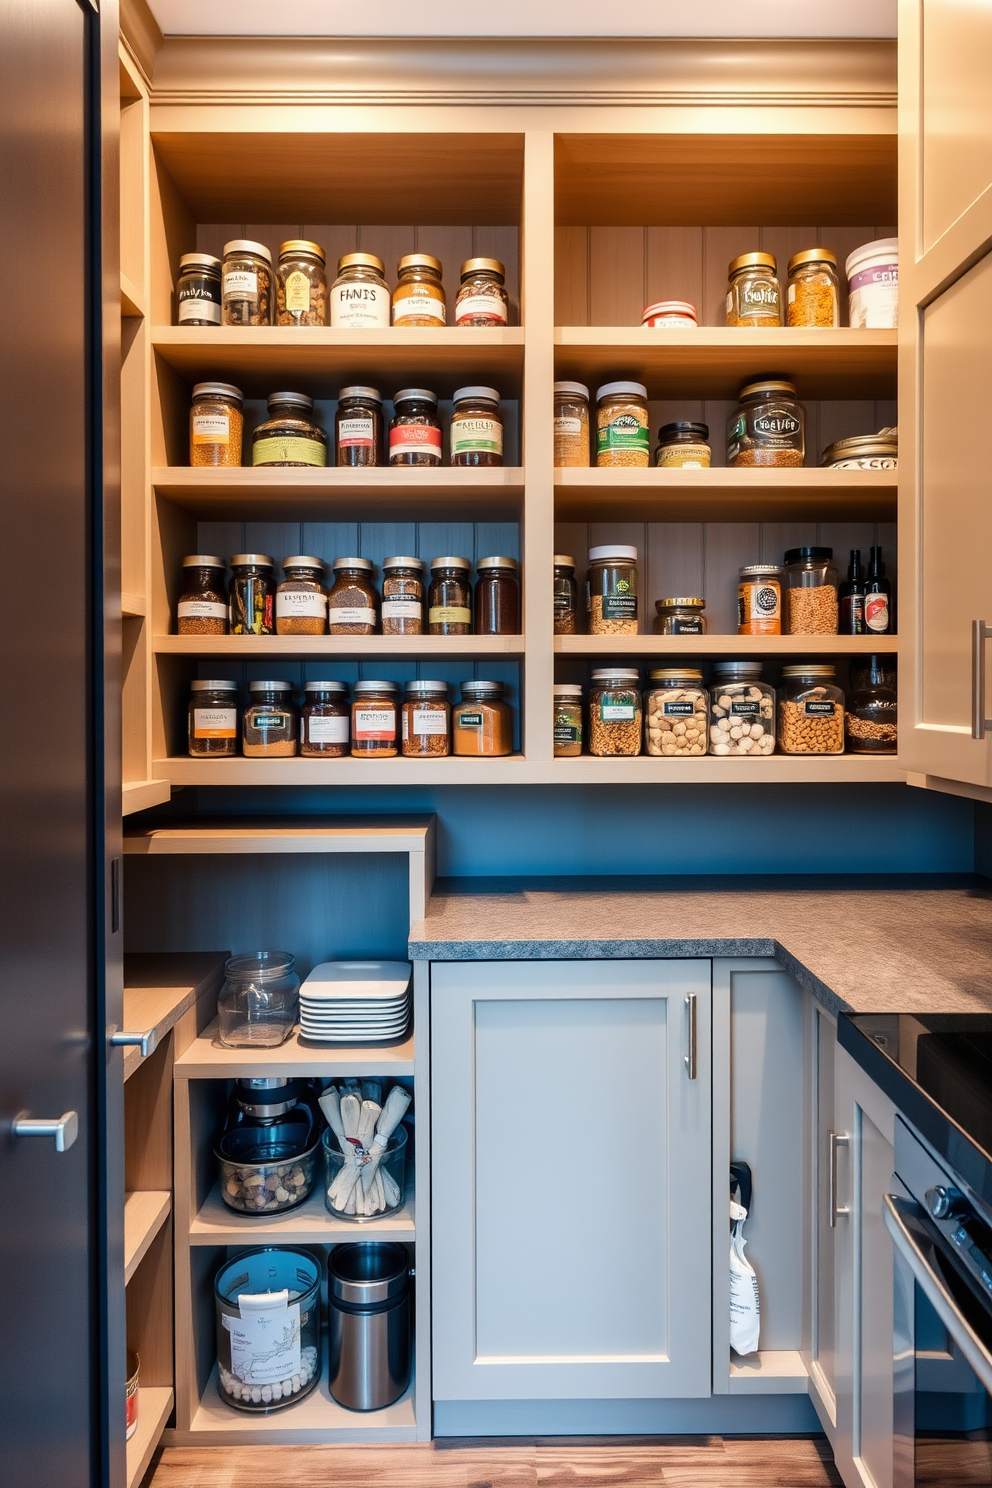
<point>418,299</point>
<point>813,296</point>
<point>680,615</point>
<point>753,294</point>
<point>482,297</point>
<point>360,295</point>
<point>301,284</point>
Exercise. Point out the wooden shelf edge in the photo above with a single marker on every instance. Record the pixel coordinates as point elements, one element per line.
<point>206,1058</point>
<point>316,1419</point>
<point>160,987</point>
<point>138,795</point>
<point>716,645</point>
<point>334,478</point>
<point>145,1212</point>
<point>132,606</point>
<point>724,338</point>
<point>437,648</point>
<point>309,1224</point>
<point>154,1409</point>
<point>132,300</point>
<point>770,1372</point>
<point>335,338</point>
<point>291,834</point>
<point>725,477</point>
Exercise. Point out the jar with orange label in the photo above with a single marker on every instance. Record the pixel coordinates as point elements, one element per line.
<point>215,424</point>
<point>418,299</point>
<point>374,720</point>
<point>213,718</point>
<point>759,600</point>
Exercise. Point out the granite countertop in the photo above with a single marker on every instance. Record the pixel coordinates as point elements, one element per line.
<point>905,943</point>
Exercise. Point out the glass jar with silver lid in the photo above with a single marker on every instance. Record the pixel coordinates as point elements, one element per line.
<point>213,719</point>
<point>864,452</point>
<point>742,710</point>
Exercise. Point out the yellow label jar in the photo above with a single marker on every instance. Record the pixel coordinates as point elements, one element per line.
<point>301,284</point>
<point>290,435</point>
<point>418,299</point>
<point>215,424</point>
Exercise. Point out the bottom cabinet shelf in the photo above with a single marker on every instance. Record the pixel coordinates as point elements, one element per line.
<point>769,1372</point>
<point>314,1420</point>
<point>154,1409</point>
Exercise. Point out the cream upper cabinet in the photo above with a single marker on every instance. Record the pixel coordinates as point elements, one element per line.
<point>955,117</point>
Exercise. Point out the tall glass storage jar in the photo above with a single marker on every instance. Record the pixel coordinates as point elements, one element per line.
<point>215,424</point>
<point>571,404</point>
<point>202,607</point>
<point>742,710</point>
<point>403,596</point>
<point>566,595</point>
<point>611,589</point>
<point>325,720</point>
<point>301,284</point>
<point>358,426</point>
<point>497,597</point>
<point>375,720</point>
<point>810,592</point>
<point>615,712</point>
<point>213,719</point>
<point>676,713</point>
<point>567,720</point>
<point>259,1003</point>
<point>449,598</point>
<point>252,597</point>
<point>810,710</point>
<point>871,719</point>
<point>623,435</point>
<point>246,283</point>
<point>301,604</point>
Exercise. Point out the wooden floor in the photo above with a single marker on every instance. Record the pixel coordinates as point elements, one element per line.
<point>640,1462</point>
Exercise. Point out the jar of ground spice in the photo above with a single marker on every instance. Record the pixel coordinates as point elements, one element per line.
<point>449,598</point>
<point>622,433</point>
<point>358,426</point>
<point>301,284</point>
<point>325,720</point>
<point>270,723</point>
<point>213,719</point>
<point>611,592</point>
<point>403,596</point>
<point>810,595</point>
<point>374,720</point>
<point>571,404</point>
<point>567,720</point>
<point>290,435</point>
<point>414,432</point>
<point>482,723</point>
<point>301,603</point>
<point>202,607</point>
<point>497,597</point>
<point>683,445</point>
<point>566,595</point>
<point>753,294</point>
<point>476,432</point>
<point>252,601</point>
<point>215,424</point>
<point>768,428</point>
<point>813,296</point>
<point>418,299</point>
<point>360,295</point>
<point>426,722</point>
<point>482,299</point>
<point>810,711</point>
<point>246,283</point>
<point>353,603</point>
<point>680,615</point>
<point>198,290</point>
<point>615,712</point>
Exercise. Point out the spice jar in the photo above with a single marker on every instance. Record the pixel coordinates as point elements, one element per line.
<point>567,720</point>
<point>449,598</point>
<point>252,594</point>
<point>497,597</point>
<point>358,426</point>
<point>414,432</point>
<point>571,405</point>
<point>871,718</point>
<point>680,616</point>
<point>289,436</point>
<point>676,713</point>
<point>615,712</point>
<point>246,283</point>
<point>301,284</point>
<point>683,445</point>
<point>566,595</point>
<point>768,427</point>
<point>373,720</point>
<point>353,602</point>
<point>325,720</point>
<point>301,604</point>
<point>482,722</point>
<point>215,424</point>
<point>759,600</point>
<point>426,720</point>
<point>814,293</point>
<point>202,607</point>
<point>476,427</point>
<point>403,596</point>
<point>810,711</point>
<point>418,299</point>
<point>198,290</point>
<point>742,710</point>
<point>482,299</point>
<point>873,285</point>
<point>270,723</point>
<point>864,452</point>
<point>611,590</point>
<point>360,295</point>
<point>810,592</point>
<point>670,315</point>
<point>622,433</point>
<point>753,295</point>
<point>213,719</point>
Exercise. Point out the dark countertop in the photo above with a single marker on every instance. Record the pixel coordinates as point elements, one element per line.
<point>901,943</point>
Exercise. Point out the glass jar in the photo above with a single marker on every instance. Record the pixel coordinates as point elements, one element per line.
<point>759,599</point>
<point>248,1368</point>
<point>810,711</point>
<point>358,426</point>
<point>373,720</point>
<point>742,710</point>
<point>325,720</point>
<point>813,295</point>
<point>567,720</point>
<point>246,283</point>
<point>289,435</point>
<point>449,598</point>
<point>198,290</point>
<point>571,415</point>
<point>623,436</point>
<point>267,1152</point>
<point>252,599</point>
<point>426,723</point>
<point>680,616</point>
<point>566,595</point>
<point>213,719</point>
<point>683,445</point>
<point>360,295</point>
<point>215,424</point>
<point>414,432</point>
<point>202,607</point>
<point>418,299</point>
<point>476,432</point>
<point>482,722</point>
<point>676,713</point>
<point>871,718</point>
<point>497,597</point>
<point>615,712</point>
<point>611,590</point>
<point>386,1198</point>
<point>270,723</point>
<point>482,299</point>
<point>810,592</point>
<point>403,596</point>
<point>670,315</point>
<point>301,603</point>
<point>753,294</point>
<point>768,427</point>
<point>864,452</point>
<point>301,284</point>
<point>259,1003</point>
<point>352,605</point>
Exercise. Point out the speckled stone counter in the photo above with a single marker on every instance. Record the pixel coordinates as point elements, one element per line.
<point>900,944</point>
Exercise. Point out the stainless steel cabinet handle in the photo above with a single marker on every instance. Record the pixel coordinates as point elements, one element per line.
<point>148,1041</point>
<point>690,1058</point>
<point>65,1130</point>
<point>835,1140</point>
<point>980,633</point>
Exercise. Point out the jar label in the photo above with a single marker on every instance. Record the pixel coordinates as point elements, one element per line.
<point>671,322</point>
<point>620,606</point>
<point>567,733</point>
<point>759,298</point>
<point>196,306</point>
<point>745,708</point>
<point>264,721</point>
<point>201,609</point>
<point>468,720</point>
<point>360,306</point>
<point>777,425</point>
<point>419,439</point>
<point>760,603</point>
<point>428,721</point>
<point>817,708</point>
<point>617,712</point>
<point>375,723</point>
<point>288,449</point>
<point>211,428</point>
<point>476,436</point>
<point>240,284</point>
<point>480,304</point>
<point>688,625</point>
<point>215,723</point>
<point>624,432</point>
<point>566,425</point>
<point>564,605</point>
<point>680,709</point>
<point>351,615</point>
<point>265,1339</point>
<point>298,293</point>
<point>402,609</point>
<point>874,300</point>
<point>300,602</point>
<point>332,730</point>
<point>685,456</point>
<point>356,433</point>
<point>423,306</point>
<point>449,615</point>
<point>877,612</point>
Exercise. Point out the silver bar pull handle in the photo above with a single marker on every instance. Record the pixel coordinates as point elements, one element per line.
<point>148,1041</point>
<point>690,1058</point>
<point>835,1140</point>
<point>980,633</point>
<point>65,1130</point>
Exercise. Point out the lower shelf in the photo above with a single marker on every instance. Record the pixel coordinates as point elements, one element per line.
<point>316,1419</point>
<point>769,1372</point>
<point>154,1409</point>
<point>310,1224</point>
<point>145,1212</point>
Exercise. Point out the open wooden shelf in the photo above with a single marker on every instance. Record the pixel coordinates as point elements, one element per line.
<point>132,300</point>
<point>160,987</point>
<point>715,646</point>
<point>769,1372</point>
<point>208,1059</point>
<point>145,1212</point>
<point>773,769</point>
<point>154,1409</point>
<point>725,495</point>
<point>309,1224</point>
<point>138,795</point>
<point>262,648</point>
<point>318,1418</point>
<point>512,768</point>
<point>132,606</point>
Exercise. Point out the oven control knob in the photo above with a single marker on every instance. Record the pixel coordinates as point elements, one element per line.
<point>944,1202</point>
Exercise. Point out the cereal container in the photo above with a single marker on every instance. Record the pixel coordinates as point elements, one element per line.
<point>676,713</point>
<point>742,710</point>
<point>810,711</point>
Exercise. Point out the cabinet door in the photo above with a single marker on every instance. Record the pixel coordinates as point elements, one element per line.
<point>822,1362</point>
<point>570,1180</point>
<point>955,121</point>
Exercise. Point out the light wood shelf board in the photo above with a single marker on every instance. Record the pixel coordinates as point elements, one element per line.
<point>145,1212</point>
<point>724,645</point>
<point>259,648</point>
<point>154,1409</point>
<point>300,834</point>
<point>159,987</point>
<point>769,1372</point>
<point>318,1418</point>
<point>775,769</point>
<point>309,1224</point>
<point>722,494</point>
<point>183,770</point>
<point>207,1058</point>
<point>132,606</point>
<point>138,795</point>
<point>132,300</point>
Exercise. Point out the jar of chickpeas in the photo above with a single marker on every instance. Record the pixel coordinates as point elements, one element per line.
<point>622,434</point>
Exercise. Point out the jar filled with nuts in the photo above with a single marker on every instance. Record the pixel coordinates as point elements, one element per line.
<point>742,710</point>
<point>290,435</point>
<point>814,291</point>
<point>615,712</point>
<point>301,284</point>
<point>246,283</point>
<point>676,712</point>
<point>301,603</point>
<point>567,720</point>
<point>426,725</point>
<point>360,295</point>
<point>810,596</point>
<point>623,436</point>
<point>680,615</point>
<point>871,719</point>
<point>358,426</point>
<point>810,711</point>
<point>571,404</point>
<point>566,595</point>
<point>403,596</point>
<point>753,294</point>
<point>418,299</point>
<point>449,598</point>
<point>611,590</point>
<point>202,607</point>
<point>353,602</point>
<point>768,427</point>
<point>482,297</point>
<point>374,720</point>
<point>325,720</point>
<point>215,424</point>
<point>270,724</point>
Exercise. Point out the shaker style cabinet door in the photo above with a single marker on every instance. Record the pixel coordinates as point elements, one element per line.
<point>571,1182</point>
<point>825,1157</point>
<point>954,119</point>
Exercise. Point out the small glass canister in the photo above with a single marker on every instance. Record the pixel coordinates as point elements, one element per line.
<point>374,720</point>
<point>497,597</point>
<point>611,591</point>
<point>246,283</point>
<point>670,315</point>
<point>482,299</point>
<point>259,1003</point>
<point>403,596</point>
<point>810,592</point>
<point>352,605</point>
<point>753,294</point>
<point>325,720</point>
<point>810,711</point>
<point>301,284</point>
<point>426,723</point>
<point>449,598</point>
<point>566,595</point>
<point>567,720</point>
<point>680,616</point>
<point>418,299</point>
<point>251,1376</point>
<point>270,723</point>
<point>360,298</point>
<point>742,710</point>
<point>814,290</point>
<point>215,424</point>
<point>571,404</point>
<point>198,290</point>
<point>769,426</point>
<point>290,435</point>
<point>414,432</point>
<point>301,602</point>
<point>872,716</point>
<point>358,426</point>
<point>676,713</point>
<point>252,598</point>
<point>482,723</point>
<point>476,432</point>
<point>202,607</point>
<point>623,435</point>
<point>615,712</point>
<point>213,719</point>
<point>683,445</point>
<point>759,599</point>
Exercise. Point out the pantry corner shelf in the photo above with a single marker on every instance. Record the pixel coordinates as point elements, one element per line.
<point>311,1223</point>
<point>160,986</point>
<point>154,1409</point>
<point>145,1212</point>
<point>722,493</point>
<point>258,648</point>
<point>132,300</point>
<point>207,1058</point>
<point>318,1418</point>
<point>138,795</point>
<point>712,645</point>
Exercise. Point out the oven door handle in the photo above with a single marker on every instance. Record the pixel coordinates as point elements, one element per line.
<point>895,1212</point>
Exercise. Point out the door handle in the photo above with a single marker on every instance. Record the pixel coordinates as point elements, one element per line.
<point>147,1042</point>
<point>835,1140</point>
<point>980,633</point>
<point>690,1057</point>
<point>65,1130</point>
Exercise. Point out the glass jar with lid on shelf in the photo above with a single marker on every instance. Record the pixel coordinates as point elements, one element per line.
<point>403,596</point>
<point>571,425</point>
<point>615,712</point>
<point>497,597</point>
<point>566,595</point>
<point>871,719</point>
<point>567,720</point>
<point>426,720</point>
<point>270,726</point>
<point>246,283</point>
<point>742,710</point>
<point>449,598</point>
<point>198,293</point>
<point>202,607</point>
<point>360,299</point>
<point>290,435</point>
<point>683,446</point>
<point>418,299</point>
<point>213,719</point>
<point>759,599</point>
<point>754,297</point>
<point>215,424</point>
<point>768,427</point>
<point>611,589</point>
<point>358,426</point>
<point>259,1002</point>
<point>374,720</point>
<point>414,432</point>
<point>680,615</point>
<point>623,436</point>
<point>676,713</point>
<point>813,295</point>
<point>325,720</point>
<point>301,284</point>
<point>810,710</point>
<point>810,594</point>
<point>301,602</point>
<point>352,604</point>
<point>482,299</point>
<point>252,598</point>
<point>482,723</point>
<point>476,433</point>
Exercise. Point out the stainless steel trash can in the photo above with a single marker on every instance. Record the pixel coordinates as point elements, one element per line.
<point>368,1296</point>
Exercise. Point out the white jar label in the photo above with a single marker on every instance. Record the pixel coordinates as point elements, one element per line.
<point>616,712</point>
<point>360,306</point>
<point>877,613</point>
<point>375,723</point>
<point>874,300</point>
<point>421,306</point>
<point>240,284</point>
<point>354,432</point>
<point>429,721</point>
<point>211,428</point>
<point>297,293</point>
<point>292,602</point>
<point>350,615</point>
<point>489,305</point>
<point>730,302</point>
<point>815,708</point>
<point>402,609</point>
<point>199,308</point>
<point>201,609</point>
<point>265,1339</point>
<point>565,425</point>
<point>215,723</point>
<point>327,730</point>
<point>476,436</point>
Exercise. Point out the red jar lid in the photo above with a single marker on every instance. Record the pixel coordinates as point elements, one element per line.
<point>668,307</point>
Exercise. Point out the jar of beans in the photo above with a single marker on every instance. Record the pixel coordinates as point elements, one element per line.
<point>374,720</point>
<point>611,591</point>
<point>198,290</point>
<point>290,434</point>
<point>768,427</point>
<point>566,595</point>
<point>301,284</point>
<point>325,720</point>
<point>253,590</point>
<point>246,283</point>
<point>476,432</point>
<point>213,719</point>
<point>810,711</point>
<point>358,426</point>
<point>414,432</point>
<point>482,297</point>
<point>202,607</point>
<point>426,724</point>
<point>270,723</point>
<point>676,713</point>
<point>360,295</point>
<point>571,405</point>
<point>680,615</point>
<point>449,598</point>
<point>753,294</point>
<point>482,723</point>
<point>683,446</point>
<point>742,710</point>
<point>497,597</point>
<point>615,712</point>
<point>810,595</point>
<point>403,596</point>
<point>353,603</point>
<point>301,602</point>
<point>814,289</point>
<point>215,424</point>
<point>418,299</point>
<point>623,436</point>
<point>567,720</point>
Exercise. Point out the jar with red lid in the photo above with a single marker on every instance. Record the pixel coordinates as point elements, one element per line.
<point>414,432</point>
<point>670,315</point>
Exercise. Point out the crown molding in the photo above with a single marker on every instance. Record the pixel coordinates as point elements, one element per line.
<point>141,35</point>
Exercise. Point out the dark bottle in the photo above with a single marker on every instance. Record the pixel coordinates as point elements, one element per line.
<point>878,597</point>
<point>852,598</point>
<point>497,597</point>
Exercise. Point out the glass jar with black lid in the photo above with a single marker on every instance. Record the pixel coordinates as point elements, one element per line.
<point>270,723</point>
<point>213,719</point>
<point>252,600</point>
<point>198,290</point>
<point>325,720</point>
<point>290,434</point>
<point>414,432</point>
<point>202,607</point>
<point>566,595</point>
<point>449,598</point>
<point>358,426</point>
<point>683,445</point>
<point>497,597</point>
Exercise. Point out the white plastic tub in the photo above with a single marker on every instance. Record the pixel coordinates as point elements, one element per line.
<point>873,284</point>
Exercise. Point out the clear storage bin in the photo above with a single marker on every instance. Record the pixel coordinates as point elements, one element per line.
<point>810,711</point>
<point>810,592</point>
<point>676,713</point>
<point>267,1305</point>
<point>382,1197</point>
<point>742,710</point>
<point>259,1002</point>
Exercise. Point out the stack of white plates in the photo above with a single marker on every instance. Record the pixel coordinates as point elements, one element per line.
<point>356,1002</point>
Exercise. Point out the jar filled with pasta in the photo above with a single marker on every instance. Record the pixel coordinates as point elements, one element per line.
<point>215,424</point>
<point>810,711</point>
<point>301,284</point>
<point>325,720</point>
<point>615,712</point>
<point>374,720</point>
<point>418,299</point>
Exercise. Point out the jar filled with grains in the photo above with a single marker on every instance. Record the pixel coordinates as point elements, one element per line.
<point>566,595</point>
<point>571,415</point>
<point>680,616</point>
<point>358,426</point>
<point>810,711</point>
<point>814,289</point>
<point>360,299</point>
<point>449,598</point>
<point>742,710</point>
<point>301,284</point>
<point>414,432</point>
<point>202,607</point>
<point>768,427</point>
<point>615,712</point>
<point>623,436</point>
<point>482,723</point>
<point>676,713</point>
<point>476,432</point>
<point>198,290</point>
<point>403,596</point>
<point>374,720</point>
<point>611,590</point>
<point>301,603</point>
<point>353,602</point>
<point>753,294</point>
<point>683,445</point>
<point>270,724</point>
<point>213,719</point>
<point>482,299</point>
<point>759,599</point>
<point>418,299</point>
<point>567,720</point>
<point>810,592</point>
<point>246,283</point>
<point>290,435</point>
<point>252,600</point>
<point>215,424</point>
<point>426,726</point>
<point>497,597</point>
<point>871,719</point>
<point>325,720</point>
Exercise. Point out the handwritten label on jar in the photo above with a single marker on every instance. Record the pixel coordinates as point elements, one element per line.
<point>240,284</point>
<point>327,730</point>
<point>356,433</point>
<point>201,609</point>
<point>288,450</point>
<point>489,305</point>
<point>360,306</point>
<point>375,723</point>
<point>211,428</point>
<point>429,721</point>
<point>351,615</point>
<point>421,307</point>
<point>449,615</point>
<point>215,723</point>
<point>567,425</point>
<point>617,712</point>
<point>293,602</point>
<point>297,293</point>
<point>419,439</point>
<point>401,609</point>
<point>476,436</point>
<point>818,709</point>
